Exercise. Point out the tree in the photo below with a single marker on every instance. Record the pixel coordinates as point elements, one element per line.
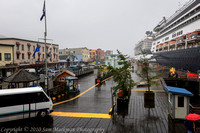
<point>146,72</point>
<point>122,75</point>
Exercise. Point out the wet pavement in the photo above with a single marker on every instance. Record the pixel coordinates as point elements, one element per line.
<point>97,101</point>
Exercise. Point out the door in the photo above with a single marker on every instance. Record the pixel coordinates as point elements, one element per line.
<point>180,106</point>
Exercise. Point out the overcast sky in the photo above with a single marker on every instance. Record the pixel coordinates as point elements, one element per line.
<point>105,24</point>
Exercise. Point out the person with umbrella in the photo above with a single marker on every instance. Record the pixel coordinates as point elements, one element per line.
<point>191,118</point>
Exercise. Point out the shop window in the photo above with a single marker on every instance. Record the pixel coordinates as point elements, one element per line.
<point>7,56</point>
<point>180,101</point>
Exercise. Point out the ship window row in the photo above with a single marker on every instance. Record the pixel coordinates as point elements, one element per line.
<point>182,19</point>
<point>183,25</point>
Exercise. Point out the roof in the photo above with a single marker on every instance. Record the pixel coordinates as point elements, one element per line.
<point>11,45</point>
<point>71,78</point>
<point>68,72</point>
<point>11,38</point>
<point>176,90</point>
<point>20,90</point>
<point>22,76</point>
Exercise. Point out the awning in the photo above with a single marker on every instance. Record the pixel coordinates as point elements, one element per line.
<point>176,90</point>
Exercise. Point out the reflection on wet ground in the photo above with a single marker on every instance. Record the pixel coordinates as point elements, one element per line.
<point>28,125</point>
<point>134,119</point>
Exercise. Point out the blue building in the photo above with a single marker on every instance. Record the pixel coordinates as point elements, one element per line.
<point>112,60</point>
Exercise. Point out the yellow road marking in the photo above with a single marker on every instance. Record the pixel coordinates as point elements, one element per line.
<point>145,82</point>
<point>144,90</point>
<point>106,79</point>
<point>81,93</point>
<point>75,96</point>
<point>85,115</point>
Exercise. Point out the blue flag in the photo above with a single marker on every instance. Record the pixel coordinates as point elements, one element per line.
<point>43,14</point>
<point>36,50</point>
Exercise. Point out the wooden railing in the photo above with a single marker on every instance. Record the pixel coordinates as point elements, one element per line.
<point>57,90</point>
<point>193,109</point>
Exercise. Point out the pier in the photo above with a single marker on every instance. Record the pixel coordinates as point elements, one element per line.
<point>89,111</point>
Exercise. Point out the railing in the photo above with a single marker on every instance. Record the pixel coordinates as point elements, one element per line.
<point>57,90</point>
<point>193,109</point>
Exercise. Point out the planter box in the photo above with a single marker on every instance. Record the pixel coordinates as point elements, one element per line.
<point>127,94</point>
<point>122,106</point>
<point>149,99</point>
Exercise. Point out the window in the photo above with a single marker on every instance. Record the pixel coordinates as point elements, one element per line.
<point>42,49</point>
<point>180,101</point>
<point>29,56</point>
<point>22,47</point>
<point>26,98</point>
<point>0,56</point>
<point>28,48</point>
<point>18,56</point>
<point>41,97</point>
<point>23,56</point>
<point>17,47</point>
<point>33,48</point>
<point>7,56</point>
<point>38,57</point>
<point>62,79</point>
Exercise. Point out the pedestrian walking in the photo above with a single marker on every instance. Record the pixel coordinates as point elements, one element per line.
<point>190,126</point>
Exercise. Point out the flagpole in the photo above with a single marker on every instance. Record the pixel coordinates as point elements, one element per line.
<point>45,39</point>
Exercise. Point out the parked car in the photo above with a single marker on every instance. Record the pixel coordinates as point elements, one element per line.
<point>43,70</point>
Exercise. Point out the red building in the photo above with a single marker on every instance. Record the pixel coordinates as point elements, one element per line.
<point>61,78</point>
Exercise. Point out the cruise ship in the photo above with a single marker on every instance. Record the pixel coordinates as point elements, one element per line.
<point>177,39</point>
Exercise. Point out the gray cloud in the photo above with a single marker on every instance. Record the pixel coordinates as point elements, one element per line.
<point>105,24</point>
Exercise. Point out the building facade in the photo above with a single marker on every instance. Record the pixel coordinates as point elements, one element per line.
<point>108,52</point>
<point>6,54</point>
<point>93,55</point>
<point>24,49</point>
<point>112,60</point>
<point>83,52</point>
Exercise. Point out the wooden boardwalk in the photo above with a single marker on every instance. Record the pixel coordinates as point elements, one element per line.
<point>138,120</point>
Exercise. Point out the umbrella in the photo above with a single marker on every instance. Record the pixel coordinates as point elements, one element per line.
<point>193,117</point>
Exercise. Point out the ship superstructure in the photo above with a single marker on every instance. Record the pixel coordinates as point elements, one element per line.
<point>145,45</point>
<point>177,39</point>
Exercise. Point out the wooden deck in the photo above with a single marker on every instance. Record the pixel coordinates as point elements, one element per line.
<point>138,120</point>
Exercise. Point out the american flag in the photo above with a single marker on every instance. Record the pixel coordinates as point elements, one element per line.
<point>43,12</point>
